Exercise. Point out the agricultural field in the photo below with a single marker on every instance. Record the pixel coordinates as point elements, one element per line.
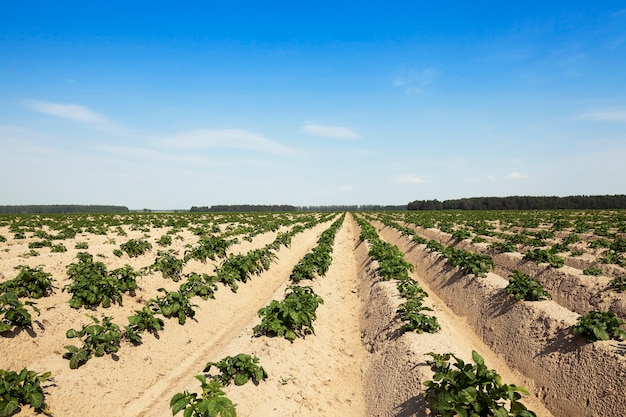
<point>306,314</point>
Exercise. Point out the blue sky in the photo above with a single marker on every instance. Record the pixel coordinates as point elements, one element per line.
<point>163,105</point>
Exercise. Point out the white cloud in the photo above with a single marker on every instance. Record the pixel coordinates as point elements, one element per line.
<point>224,138</point>
<point>407,179</point>
<point>338,132</point>
<point>413,82</point>
<point>491,178</point>
<point>346,188</point>
<point>66,111</point>
<point>515,176</point>
<point>604,116</point>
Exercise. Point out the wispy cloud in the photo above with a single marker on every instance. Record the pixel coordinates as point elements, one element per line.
<point>225,138</point>
<point>346,188</point>
<point>515,176</point>
<point>604,116</point>
<point>338,132</point>
<point>77,113</point>
<point>407,179</point>
<point>66,111</point>
<point>491,178</point>
<point>413,82</point>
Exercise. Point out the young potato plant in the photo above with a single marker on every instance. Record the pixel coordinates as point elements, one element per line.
<point>173,304</point>
<point>126,278</point>
<point>168,264</point>
<point>211,403</point>
<point>619,284</point>
<point>91,284</point>
<point>523,287</point>
<point>293,317</point>
<point>136,247</point>
<point>203,286</point>
<point>20,389</point>
<point>471,390</point>
<point>30,282</point>
<point>98,338</point>
<point>544,256</point>
<point>210,247</point>
<point>13,312</point>
<point>239,369</point>
<point>597,325</point>
<point>414,320</point>
<point>143,320</point>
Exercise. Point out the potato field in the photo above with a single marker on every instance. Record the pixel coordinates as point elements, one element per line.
<point>440,313</point>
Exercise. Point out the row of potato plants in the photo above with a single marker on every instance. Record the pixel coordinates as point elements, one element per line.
<point>93,285</point>
<point>550,232</point>
<point>593,326</point>
<point>293,316</point>
<point>393,266</point>
<point>104,337</point>
<point>290,318</point>
<point>613,253</point>
<point>456,389</point>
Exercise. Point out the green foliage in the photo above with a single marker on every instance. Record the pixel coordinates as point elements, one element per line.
<point>212,402</point>
<point>544,256</point>
<point>40,244</point>
<point>170,266</point>
<point>238,369</point>
<point>210,247</point>
<point>469,262</point>
<point>619,283</point>
<point>468,390</point>
<point>59,248</point>
<point>597,325</point>
<point>19,389</point>
<point>592,270</point>
<point>165,240</point>
<point>91,284</point>
<point>13,312</point>
<point>117,252</point>
<point>173,304</point>
<point>143,320</point>
<point>136,247</point>
<point>503,247</point>
<point>291,318</point>
<point>99,338</point>
<point>81,245</point>
<point>203,286</point>
<point>414,320</point>
<point>30,282</point>
<point>126,278</point>
<point>523,287</point>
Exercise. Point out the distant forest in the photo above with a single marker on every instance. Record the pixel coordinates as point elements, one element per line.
<point>524,203</point>
<point>61,208</point>
<point>289,208</point>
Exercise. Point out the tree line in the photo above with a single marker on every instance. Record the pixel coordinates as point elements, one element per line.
<point>61,208</point>
<point>579,202</point>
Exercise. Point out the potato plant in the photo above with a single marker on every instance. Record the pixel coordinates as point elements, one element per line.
<point>471,390</point>
<point>136,247</point>
<point>597,325</point>
<point>13,312</point>
<point>173,304</point>
<point>29,282</point>
<point>211,403</point>
<point>291,318</point>
<point>239,369</point>
<point>20,389</point>
<point>98,338</point>
<point>523,287</point>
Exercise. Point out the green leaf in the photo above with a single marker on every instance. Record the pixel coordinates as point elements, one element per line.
<point>179,402</point>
